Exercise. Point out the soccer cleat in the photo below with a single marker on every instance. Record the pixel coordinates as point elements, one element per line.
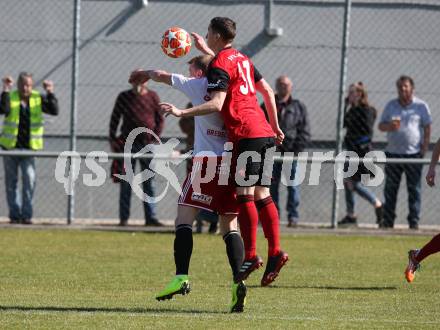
<point>273,267</point>
<point>412,267</point>
<point>179,285</point>
<point>248,267</point>
<point>238,297</point>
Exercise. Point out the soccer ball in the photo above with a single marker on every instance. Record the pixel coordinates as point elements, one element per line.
<point>176,42</point>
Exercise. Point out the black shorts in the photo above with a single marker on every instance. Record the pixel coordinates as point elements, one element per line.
<point>254,168</point>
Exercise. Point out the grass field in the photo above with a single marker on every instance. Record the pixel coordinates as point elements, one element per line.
<point>89,279</point>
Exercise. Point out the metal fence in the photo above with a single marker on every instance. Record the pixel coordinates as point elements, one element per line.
<point>108,39</point>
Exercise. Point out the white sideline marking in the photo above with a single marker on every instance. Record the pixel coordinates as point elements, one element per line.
<point>207,315</point>
<point>291,318</point>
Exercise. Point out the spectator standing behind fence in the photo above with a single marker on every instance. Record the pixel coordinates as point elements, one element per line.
<point>294,122</point>
<point>407,121</point>
<point>23,129</point>
<point>359,122</point>
<point>137,107</point>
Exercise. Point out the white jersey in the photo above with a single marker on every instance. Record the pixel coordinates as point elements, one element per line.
<point>209,130</point>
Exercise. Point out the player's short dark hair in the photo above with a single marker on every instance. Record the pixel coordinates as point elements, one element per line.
<point>224,26</point>
<point>201,62</point>
<point>404,78</point>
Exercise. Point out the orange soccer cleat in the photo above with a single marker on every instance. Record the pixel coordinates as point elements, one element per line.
<point>412,267</point>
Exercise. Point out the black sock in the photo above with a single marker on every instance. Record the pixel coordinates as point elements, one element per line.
<point>234,250</point>
<point>183,245</point>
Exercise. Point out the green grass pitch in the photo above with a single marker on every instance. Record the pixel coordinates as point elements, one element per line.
<point>55,279</point>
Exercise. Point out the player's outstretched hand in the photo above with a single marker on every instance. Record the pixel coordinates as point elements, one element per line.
<point>430,177</point>
<point>170,109</point>
<point>138,77</point>
<point>201,45</point>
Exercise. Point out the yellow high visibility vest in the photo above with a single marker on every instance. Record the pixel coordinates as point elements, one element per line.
<point>8,138</point>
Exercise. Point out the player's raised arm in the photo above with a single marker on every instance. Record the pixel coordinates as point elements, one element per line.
<point>141,76</point>
<point>201,45</point>
<point>430,176</point>
<point>160,76</point>
<point>269,101</point>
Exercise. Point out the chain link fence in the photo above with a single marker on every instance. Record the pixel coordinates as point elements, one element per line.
<point>386,39</point>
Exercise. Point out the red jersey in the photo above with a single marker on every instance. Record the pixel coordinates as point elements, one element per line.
<point>234,73</point>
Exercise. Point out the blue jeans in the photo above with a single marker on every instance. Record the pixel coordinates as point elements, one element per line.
<point>393,175</point>
<point>352,186</point>
<point>19,208</point>
<point>293,198</point>
<point>147,187</point>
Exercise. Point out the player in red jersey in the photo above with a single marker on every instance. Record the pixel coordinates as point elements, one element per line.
<point>209,141</point>
<point>233,82</point>
<point>433,246</point>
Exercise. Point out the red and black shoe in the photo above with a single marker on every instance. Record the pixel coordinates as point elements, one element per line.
<point>273,267</point>
<point>248,267</point>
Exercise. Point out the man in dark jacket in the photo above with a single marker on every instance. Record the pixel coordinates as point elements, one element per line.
<point>137,107</point>
<point>294,122</point>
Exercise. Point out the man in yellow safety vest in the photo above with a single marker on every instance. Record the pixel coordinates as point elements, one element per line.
<point>23,130</point>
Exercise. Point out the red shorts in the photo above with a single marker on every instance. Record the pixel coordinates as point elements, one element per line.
<point>212,196</point>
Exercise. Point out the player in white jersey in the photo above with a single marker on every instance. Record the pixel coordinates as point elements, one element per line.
<point>209,130</point>
<point>209,141</point>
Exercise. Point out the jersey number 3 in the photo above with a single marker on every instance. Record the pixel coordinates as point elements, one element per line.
<point>246,75</point>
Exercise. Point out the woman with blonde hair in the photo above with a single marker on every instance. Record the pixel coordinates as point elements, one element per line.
<point>359,121</point>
